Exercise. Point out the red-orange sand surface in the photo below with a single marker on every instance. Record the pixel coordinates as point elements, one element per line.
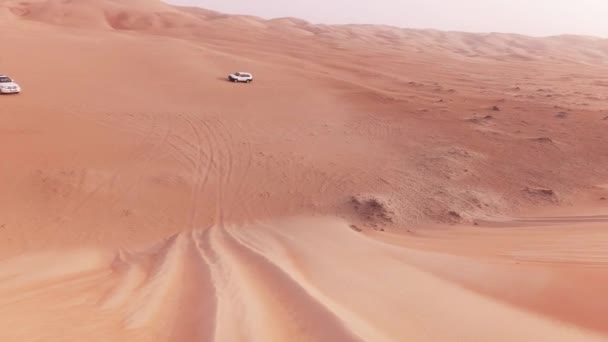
<point>372,183</point>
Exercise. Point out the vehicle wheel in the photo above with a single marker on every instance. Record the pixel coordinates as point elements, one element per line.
<point>248,81</point>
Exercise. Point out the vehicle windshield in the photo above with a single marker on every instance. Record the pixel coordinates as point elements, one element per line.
<point>5,79</point>
<point>237,74</point>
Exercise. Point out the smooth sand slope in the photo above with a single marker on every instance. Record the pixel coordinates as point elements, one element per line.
<point>144,197</point>
<point>291,280</point>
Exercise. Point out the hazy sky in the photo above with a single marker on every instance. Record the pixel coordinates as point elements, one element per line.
<point>534,17</point>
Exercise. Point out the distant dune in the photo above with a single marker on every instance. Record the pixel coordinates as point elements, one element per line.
<point>153,15</point>
<point>373,183</point>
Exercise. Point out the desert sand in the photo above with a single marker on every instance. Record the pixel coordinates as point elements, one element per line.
<point>373,183</point>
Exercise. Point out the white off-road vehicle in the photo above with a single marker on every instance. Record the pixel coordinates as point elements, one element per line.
<point>241,77</point>
<point>8,86</point>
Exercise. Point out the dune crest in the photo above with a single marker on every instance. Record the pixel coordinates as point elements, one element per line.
<point>196,286</point>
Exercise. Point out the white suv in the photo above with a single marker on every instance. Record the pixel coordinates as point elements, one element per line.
<point>241,77</point>
<point>8,86</point>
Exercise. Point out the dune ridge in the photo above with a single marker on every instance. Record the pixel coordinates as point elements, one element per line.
<point>155,16</point>
<point>197,285</point>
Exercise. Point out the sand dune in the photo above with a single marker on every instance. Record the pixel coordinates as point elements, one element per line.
<point>296,279</point>
<point>161,18</point>
<point>363,187</point>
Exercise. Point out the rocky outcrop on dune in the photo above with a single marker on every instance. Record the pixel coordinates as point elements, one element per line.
<point>541,194</point>
<point>372,211</point>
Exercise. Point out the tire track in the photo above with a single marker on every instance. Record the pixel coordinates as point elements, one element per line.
<point>201,178</point>
<point>237,198</point>
<point>159,146</point>
<point>205,150</point>
<point>281,248</point>
<point>281,299</point>
<point>230,162</point>
<point>225,165</point>
<point>138,153</point>
<point>183,151</point>
<point>202,244</point>
<point>170,283</point>
<point>229,305</point>
<point>216,148</point>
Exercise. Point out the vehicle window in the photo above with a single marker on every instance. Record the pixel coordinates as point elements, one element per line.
<point>245,75</point>
<point>5,80</point>
<point>237,74</point>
